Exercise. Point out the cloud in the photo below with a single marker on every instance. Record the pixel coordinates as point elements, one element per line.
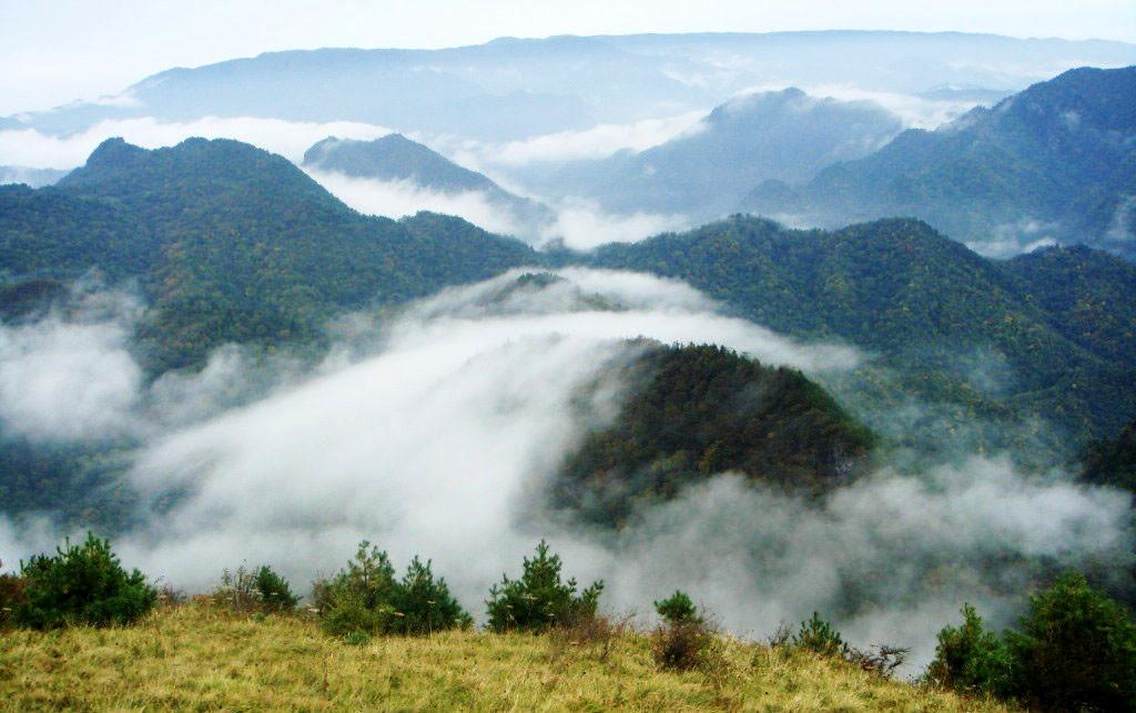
<point>915,112</point>
<point>1022,236</point>
<point>578,223</point>
<point>396,199</point>
<point>31,148</point>
<point>597,142</point>
<point>71,379</point>
<point>583,225</point>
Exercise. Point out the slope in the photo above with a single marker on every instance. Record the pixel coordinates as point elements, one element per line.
<point>1055,162</point>
<point>232,243</point>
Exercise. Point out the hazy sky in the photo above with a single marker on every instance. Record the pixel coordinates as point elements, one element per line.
<point>55,51</point>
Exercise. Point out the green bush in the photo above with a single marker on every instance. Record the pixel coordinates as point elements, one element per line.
<point>971,659</point>
<point>819,636</point>
<point>1076,650</point>
<point>82,584</point>
<point>677,609</point>
<point>259,590</point>
<point>423,604</point>
<point>365,598</point>
<point>274,592</point>
<point>539,600</point>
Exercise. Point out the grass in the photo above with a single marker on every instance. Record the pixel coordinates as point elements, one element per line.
<point>198,657</point>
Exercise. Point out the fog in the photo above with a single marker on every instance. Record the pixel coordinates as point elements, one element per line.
<point>577,223</point>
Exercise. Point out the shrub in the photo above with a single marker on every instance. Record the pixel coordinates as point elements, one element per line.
<point>682,645</point>
<point>366,598</point>
<point>819,636</point>
<point>677,609</point>
<point>424,605</point>
<point>1076,650</point>
<point>971,659</point>
<point>539,600</point>
<point>274,591</point>
<point>82,584</point>
<point>12,595</point>
<point>258,590</point>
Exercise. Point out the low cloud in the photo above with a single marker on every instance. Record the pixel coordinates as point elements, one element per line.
<point>577,223</point>
<point>594,143</point>
<point>915,112</point>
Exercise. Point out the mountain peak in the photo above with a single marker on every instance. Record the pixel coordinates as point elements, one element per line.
<point>114,153</point>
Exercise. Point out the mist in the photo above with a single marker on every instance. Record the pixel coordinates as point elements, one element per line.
<point>436,430</point>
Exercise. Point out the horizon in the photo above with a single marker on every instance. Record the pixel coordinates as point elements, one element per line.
<point>62,51</point>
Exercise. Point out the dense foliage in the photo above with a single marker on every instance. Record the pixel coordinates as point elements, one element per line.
<point>539,599</point>
<point>232,244</point>
<point>971,658</point>
<point>1074,649</point>
<point>949,326</point>
<point>1113,462</point>
<point>366,598</point>
<point>82,584</point>
<point>677,608</point>
<point>695,411</point>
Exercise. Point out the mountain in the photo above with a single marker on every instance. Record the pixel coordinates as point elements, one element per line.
<point>1056,162</point>
<point>231,243</point>
<point>396,158</point>
<point>705,172</point>
<point>694,411</point>
<point>994,338</point>
<point>34,177</point>
<point>515,88</point>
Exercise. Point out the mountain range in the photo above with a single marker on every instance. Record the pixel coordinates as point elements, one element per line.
<point>1054,163</point>
<point>233,244</point>
<point>707,171</point>
<point>513,88</point>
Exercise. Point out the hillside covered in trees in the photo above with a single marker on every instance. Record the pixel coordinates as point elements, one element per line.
<point>232,244</point>
<point>1049,333</point>
<point>696,411</point>
<point>1056,161</point>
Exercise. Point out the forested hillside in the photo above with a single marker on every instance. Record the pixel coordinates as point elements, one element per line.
<point>1056,161</point>
<point>692,412</point>
<point>233,244</point>
<point>953,325</point>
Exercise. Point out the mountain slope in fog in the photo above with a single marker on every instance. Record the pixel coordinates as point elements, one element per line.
<point>233,244</point>
<point>396,158</point>
<point>955,325</point>
<point>694,411</point>
<point>1057,162</point>
<point>785,135</point>
<point>513,88</point>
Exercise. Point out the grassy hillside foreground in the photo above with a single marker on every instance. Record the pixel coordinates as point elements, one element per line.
<point>199,657</point>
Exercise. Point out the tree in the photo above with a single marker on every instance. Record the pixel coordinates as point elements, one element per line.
<point>539,600</point>
<point>677,609</point>
<point>366,598</point>
<point>971,659</point>
<point>1076,649</point>
<point>82,584</point>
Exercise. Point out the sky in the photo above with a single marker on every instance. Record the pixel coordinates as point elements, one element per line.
<point>58,51</point>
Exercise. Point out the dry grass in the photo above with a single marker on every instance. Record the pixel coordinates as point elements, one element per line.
<point>197,657</point>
